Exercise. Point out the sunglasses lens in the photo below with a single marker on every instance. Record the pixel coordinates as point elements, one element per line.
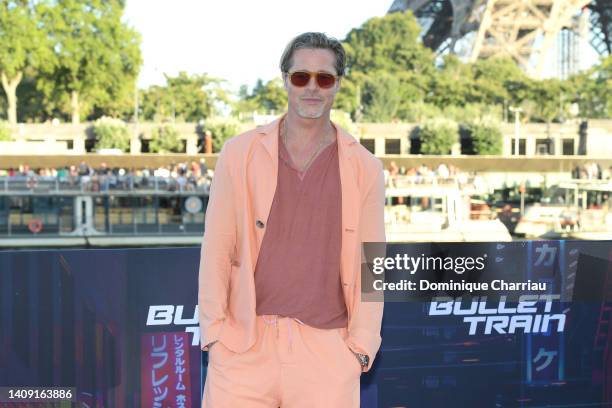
<point>325,80</point>
<point>300,78</point>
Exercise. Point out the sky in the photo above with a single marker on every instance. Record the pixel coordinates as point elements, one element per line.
<point>240,40</point>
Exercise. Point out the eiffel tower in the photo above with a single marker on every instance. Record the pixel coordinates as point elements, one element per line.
<point>525,30</point>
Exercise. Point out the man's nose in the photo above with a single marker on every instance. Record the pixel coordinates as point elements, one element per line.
<point>312,83</point>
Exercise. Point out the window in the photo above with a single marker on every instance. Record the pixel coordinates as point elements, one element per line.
<point>542,147</point>
<point>144,145</point>
<point>392,146</point>
<point>369,144</point>
<point>568,147</point>
<point>522,147</point>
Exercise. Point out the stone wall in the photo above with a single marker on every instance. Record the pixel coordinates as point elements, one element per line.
<point>379,136</point>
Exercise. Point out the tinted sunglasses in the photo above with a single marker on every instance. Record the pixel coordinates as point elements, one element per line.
<point>302,78</point>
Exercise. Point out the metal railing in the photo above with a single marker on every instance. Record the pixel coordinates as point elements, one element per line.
<point>101,183</point>
<point>463,181</point>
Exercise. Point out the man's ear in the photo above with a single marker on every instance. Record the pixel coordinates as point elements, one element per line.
<point>285,83</point>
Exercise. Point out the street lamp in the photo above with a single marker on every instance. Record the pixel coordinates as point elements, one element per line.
<point>517,111</point>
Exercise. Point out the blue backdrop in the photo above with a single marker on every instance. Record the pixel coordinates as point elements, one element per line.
<point>109,322</point>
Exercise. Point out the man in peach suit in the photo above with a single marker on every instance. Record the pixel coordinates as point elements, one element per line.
<point>280,306</point>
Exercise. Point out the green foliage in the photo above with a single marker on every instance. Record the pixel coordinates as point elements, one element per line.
<point>24,42</point>
<point>265,97</point>
<point>111,134</point>
<point>546,100</point>
<point>244,104</point>
<point>488,83</point>
<point>390,43</point>
<point>417,112</point>
<point>486,136</point>
<point>32,106</point>
<point>388,68</point>
<point>5,132</point>
<point>381,97</point>
<point>222,129</point>
<point>23,45</point>
<point>272,96</point>
<point>592,90</point>
<point>452,84</point>
<point>98,56</point>
<point>438,136</point>
<point>165,139</point>
<point>184,98</point>
<point>343,119</point>
<point>471,112</point>
<point>495,80</point>
<point>348,98</point>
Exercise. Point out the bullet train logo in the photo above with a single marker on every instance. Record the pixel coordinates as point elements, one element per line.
<point>532,314</point>
<point>171,315</point>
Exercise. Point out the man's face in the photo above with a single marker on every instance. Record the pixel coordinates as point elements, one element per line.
<point>312,101</point>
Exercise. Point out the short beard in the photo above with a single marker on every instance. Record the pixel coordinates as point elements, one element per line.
<point>303,113</point>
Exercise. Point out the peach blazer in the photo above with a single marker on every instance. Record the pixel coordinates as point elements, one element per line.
<point>239,204</point>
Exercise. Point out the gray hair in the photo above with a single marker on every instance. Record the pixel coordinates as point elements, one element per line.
<point>317,41</point>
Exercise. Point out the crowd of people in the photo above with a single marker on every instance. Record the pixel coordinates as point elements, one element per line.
<point>591,171</point>
<point>192,176</point>
<point>185,176</point>
<point>423,174</point>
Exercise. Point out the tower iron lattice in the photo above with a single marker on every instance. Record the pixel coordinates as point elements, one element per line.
<point>525,30</point>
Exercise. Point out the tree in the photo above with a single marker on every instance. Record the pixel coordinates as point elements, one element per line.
<point>5,132</point>
<point>451,84</point>
<point>417,112</point>
<point>471,112</point>
<point>222,129</point>
<point>267,97</point>
<point>495,79</point>
<point>348,98</point>
<point>155,104</point>
<point>32,104</point>
<point>592,90</point>
<point>343,119</point>
<point>381,97</point>
<point>165,139</point>
<point>111,134</point>
<point>385,52</point>
<point>23,45</point>
<point>438,136</point>
<point>185,98</point>
<point>389,43</point>
<point>547,97</point>
<point>486,136</point>
<point>98,55</point>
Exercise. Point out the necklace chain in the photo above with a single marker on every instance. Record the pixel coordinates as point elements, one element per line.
<point>312,156</point>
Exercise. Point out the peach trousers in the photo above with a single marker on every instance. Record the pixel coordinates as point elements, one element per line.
<point>291,365</point>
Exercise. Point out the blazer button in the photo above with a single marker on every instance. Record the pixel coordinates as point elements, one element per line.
<point>259,224</point>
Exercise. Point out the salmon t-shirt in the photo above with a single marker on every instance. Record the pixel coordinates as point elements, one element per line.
<point>298,269</point>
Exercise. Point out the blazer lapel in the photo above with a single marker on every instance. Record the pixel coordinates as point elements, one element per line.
<point>263,179</point>
<point>350,205</point>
